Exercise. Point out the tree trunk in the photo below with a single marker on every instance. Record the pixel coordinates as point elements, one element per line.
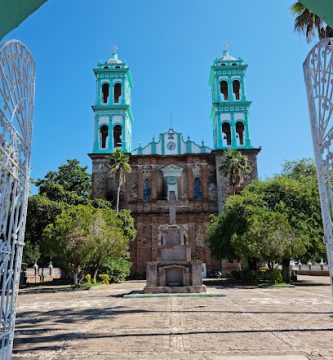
<point>76,278</point>
<point>286,270</point>
<point>118,195</point>
<point>253,263</point>
<point>95,274</point>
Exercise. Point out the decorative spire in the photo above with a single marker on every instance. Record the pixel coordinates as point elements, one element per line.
<point>115,51</point>
<point>226,49</point>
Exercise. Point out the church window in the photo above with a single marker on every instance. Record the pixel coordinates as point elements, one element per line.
<point>117,93</point>
<point>104,133</point>
<point>234,64</point>
<point>197,189</point>
<point>226,134</point>
<point>147,190</point>
<point>240,133</point>
<point>105,92</point>
<point>117,132</point>
<point>117,67</point>
<point>236,89</point>
<point>224,89</point>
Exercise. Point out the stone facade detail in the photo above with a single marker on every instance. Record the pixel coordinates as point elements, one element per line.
<point>150,215</point>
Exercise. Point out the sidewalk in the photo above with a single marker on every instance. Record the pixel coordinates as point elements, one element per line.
<point>247,324</point>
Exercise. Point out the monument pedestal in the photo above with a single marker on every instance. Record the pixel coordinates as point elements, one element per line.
<point>174,272</point>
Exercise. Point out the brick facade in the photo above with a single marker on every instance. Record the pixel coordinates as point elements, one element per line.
<point>150,214</point>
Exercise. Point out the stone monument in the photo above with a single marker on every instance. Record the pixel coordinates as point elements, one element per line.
<point>174,271</point>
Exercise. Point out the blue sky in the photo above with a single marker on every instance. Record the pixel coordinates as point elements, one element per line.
<point>169,46</point>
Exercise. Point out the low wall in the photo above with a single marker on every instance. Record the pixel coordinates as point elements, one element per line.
<point>312,272</point>
<point>41,275</point>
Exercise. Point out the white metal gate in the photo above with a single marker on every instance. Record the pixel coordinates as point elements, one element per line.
<point>17,85</point>
<point>318,74</point>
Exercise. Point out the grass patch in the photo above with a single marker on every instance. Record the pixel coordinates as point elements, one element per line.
<point>279,285</point>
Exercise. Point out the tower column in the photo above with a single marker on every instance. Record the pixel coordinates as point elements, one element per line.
<point>153,181</point>
<point>233,131</point>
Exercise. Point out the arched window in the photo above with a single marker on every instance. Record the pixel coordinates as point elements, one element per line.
<point>226,134</point>
<point>240,132</point>
<point>224,89</point>
<point>147,190</point>
<point>197,189</point>
<point>105,92</point>
<point>116,93</point>
<point>117,132</point>
<point>236,89</point>
<point>234,64</point>
<point>104,133</point>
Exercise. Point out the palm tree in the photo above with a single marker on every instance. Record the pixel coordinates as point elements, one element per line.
<point>308,23</point>
<point>235,166</point>
<point>119,164</point>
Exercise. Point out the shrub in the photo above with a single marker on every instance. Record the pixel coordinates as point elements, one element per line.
<point>118,269</point>
<point>273,275</point>
<point>104,278</point>
<point>87,279</point>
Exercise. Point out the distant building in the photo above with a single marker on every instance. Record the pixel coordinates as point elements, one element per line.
<point>170,162</point>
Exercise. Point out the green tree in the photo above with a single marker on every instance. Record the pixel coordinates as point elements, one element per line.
<point>119,164</point>
<point>71,176</point>
<point>293,195</point>
<point>107,239</point>
<point>67,240</point>
<point>41,212</point>
<point>235,166</point>
<point>267,237</point>
<point>303,168</point>
<point>308,23</point>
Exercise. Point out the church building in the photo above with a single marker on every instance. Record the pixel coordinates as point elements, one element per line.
<point>170,162</point>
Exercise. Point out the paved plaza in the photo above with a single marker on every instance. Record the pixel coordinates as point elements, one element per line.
<point>247,323</point>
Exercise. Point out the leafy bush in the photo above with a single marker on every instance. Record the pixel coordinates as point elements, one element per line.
<point>104,278</point>
<point>118,269</point>
<point>273,275</point>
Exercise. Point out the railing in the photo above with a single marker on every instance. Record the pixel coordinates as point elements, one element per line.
<point>318,74</point>
<point>17,87</point>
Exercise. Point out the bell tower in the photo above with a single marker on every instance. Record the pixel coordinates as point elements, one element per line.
<point>230,106</point>
<point>113,117</point>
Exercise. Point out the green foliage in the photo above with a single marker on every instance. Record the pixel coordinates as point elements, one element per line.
<point>308,23</point>
<point>31,253</point>
<point>70,185</point>
<point>273,276</point>
<point>235,166</point>
<point>267,236</point>
<point>104,278</point>
<point>41,212</point>
<point>127,224</point>
<point>272,219</point>
<point>71,176</point>
<point>82,238</point>
<point>300,169</point>
<point>67,240</point>
<point>118,269</point>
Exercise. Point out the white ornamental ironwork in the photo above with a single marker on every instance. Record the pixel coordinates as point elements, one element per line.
<point>318,74</point>
<point>17,87</point>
